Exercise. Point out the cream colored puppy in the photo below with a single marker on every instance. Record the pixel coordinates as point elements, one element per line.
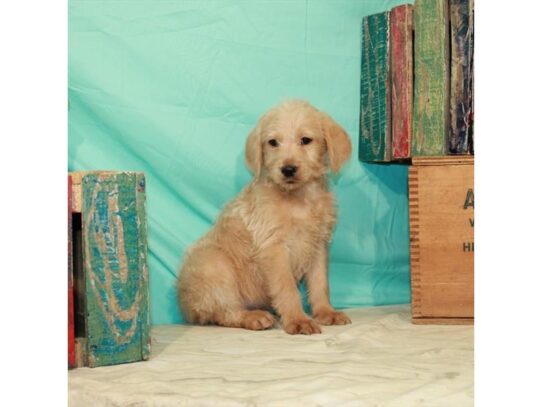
<point>275,233</point>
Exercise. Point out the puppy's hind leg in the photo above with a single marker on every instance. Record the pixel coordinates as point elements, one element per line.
<point>209,293</point>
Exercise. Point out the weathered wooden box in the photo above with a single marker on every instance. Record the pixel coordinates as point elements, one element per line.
<point>441,201</point>
<point>110,276</point>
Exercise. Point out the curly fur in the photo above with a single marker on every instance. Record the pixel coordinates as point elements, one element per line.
<point>275,233</point>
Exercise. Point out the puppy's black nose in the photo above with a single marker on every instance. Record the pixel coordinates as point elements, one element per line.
<point>288,170</point>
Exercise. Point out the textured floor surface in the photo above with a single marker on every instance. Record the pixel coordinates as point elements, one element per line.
<point>381,359</point>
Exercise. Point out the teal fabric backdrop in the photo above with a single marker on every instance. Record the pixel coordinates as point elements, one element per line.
<point>172,88</point>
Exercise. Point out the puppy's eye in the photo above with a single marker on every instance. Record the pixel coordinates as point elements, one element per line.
<point>305,140</point>
<point>273,143</point>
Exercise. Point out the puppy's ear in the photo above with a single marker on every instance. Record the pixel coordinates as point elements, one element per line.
<point>338,143</point>
<point>253,151</point>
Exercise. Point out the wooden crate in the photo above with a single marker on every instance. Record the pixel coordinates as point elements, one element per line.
<point>111,301</point>
<point>441,203</point>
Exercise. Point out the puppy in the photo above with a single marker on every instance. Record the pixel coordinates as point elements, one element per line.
<point>275,233</point>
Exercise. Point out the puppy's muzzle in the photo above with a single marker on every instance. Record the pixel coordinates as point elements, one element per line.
<point>288,170</point>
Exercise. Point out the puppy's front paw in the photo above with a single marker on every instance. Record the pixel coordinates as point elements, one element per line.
<point>332,318</point>
<point>257,320</point>
<point>302,326</point>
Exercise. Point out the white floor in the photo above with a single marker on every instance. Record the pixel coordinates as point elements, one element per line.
<point>379,360</point>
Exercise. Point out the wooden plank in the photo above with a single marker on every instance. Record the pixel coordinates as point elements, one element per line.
<point>471,84</point>
<point>145,315</point>
<point>115,267</point>
<point>81,359</point>
<point>79,288</point>
<point>76,197</point>
<point>375,100</point>
<point>414,227</point>
<point>77,178</point>
<point>443,160</point>
<point>71,324</point>
<point>443,321</point>
<point>462,53</point>
<point>441,209</point>
<point>431,78</point>
<point>401,80</point>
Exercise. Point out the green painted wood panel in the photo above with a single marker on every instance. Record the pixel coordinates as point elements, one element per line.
<point>115,267</point>
<point>431,78</point>
<point>375,104</point>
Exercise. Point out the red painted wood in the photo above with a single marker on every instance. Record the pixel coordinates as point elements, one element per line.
<point>401,80</point>
<point>71,326</point>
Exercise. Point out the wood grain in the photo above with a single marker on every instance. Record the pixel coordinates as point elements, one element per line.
<point>144,313</point>
<point>462,54</point>
<point>115,267</point>
<point>443,321</point>
<point>81,353</point>
<point>471,84</point>
<point>375,103</point>
<point>431,78</point>
<point>401,80</point>
<point>441,209</point>
<point>71,321</point>
<point>443,160</point>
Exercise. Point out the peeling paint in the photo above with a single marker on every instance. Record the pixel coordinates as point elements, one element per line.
<point>115,256</point>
